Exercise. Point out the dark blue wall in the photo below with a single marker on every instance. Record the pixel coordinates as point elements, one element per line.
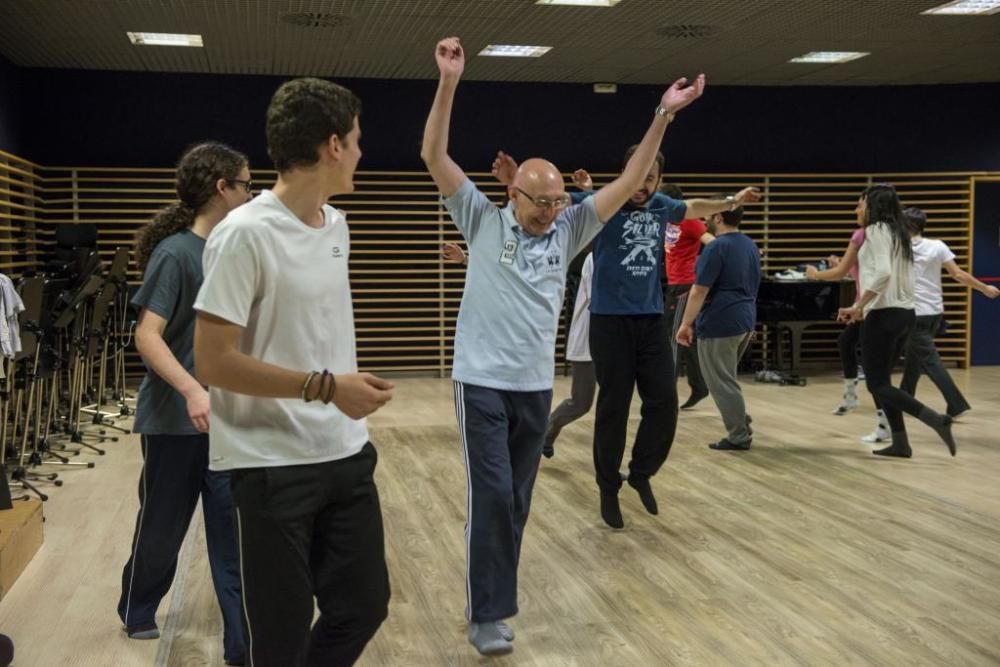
<point>145,119</point>
<point>10,108</point>
<point>986,264</point>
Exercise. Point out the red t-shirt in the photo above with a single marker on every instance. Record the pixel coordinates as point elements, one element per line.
<point>681,244</point>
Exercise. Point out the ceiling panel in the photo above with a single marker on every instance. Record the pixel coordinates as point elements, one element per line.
<point>742,42</point>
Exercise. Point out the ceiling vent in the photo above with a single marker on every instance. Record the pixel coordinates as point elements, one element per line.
<point>314,19</point>
<point>686,31</point>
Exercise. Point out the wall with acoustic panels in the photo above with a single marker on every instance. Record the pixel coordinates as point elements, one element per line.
<point>20,208</point>
<point>406,297</point>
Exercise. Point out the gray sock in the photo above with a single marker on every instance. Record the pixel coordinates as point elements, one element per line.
<point>506,631</point>
<point>487,639</point>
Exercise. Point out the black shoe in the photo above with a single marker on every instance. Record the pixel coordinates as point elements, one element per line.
<point>611,511</point>
<point>144,631</point>
<point>944,430</point>
<point>548,451</point>
<point>240,661</point>
<point>899,451</point>
<point>645,494</point>
<point>724,444</point>
<point>693,400</point>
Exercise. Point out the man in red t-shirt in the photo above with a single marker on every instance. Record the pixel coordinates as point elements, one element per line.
<point>681,245</point>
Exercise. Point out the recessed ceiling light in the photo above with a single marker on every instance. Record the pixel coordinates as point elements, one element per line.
<point>966,7</point>
<point>830,57</point>
<point>580,3</point>
<point>163,39</point>
<point>515,51</point>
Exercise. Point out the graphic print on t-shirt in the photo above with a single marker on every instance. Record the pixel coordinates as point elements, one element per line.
<point>640,236</point>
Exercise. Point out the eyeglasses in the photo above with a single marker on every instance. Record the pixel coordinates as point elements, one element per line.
<point>559,203</point>
<point>247,185</point>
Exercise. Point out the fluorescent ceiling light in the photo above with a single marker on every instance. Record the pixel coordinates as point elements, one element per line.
<point>580,3</point>
<point>163,39</point>
<point>966,7</point>
<point>829,57</point>
<point>515,51</point>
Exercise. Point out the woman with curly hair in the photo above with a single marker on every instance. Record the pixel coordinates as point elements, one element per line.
<point>172,414</point>
<point>887,307</point>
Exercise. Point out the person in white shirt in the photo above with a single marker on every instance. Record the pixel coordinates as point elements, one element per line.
<point>274,339</point>
<point>929,257</point>
<point>887,307</point>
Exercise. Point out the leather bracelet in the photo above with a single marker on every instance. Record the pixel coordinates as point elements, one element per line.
<point>333,388</point>
<point>305,386</point>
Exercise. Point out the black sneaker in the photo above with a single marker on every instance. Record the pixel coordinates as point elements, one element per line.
<point>645,494</point>
<point>693,400</point>
<point>726,445</point>
<point>144,631</point>
<point>611,511</point>
<point>237,662</point>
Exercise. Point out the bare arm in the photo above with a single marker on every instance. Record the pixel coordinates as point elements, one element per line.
<point>219,363</point>
<point>707,238</point>
<point>702,208</point>
<point>970,281</point>
<point>849,260</point>
<point>613,196</point>
<point>695,302</point>
<point>448,176</point>
<point>157,355</point>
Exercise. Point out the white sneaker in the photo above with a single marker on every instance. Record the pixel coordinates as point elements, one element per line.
<point>861,373</point>
<point>880,434</point>
<point>846,405</point>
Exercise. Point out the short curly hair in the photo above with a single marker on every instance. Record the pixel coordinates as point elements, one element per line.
<point>303,113</point>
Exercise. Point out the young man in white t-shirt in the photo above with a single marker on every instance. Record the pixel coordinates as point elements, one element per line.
<point>929,256</point>
<point>274,339</point>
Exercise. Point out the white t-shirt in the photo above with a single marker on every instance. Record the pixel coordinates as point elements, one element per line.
<point>286,284</point>
<point>578,339</point>
<point>928,257</point>
<point>884,270</point>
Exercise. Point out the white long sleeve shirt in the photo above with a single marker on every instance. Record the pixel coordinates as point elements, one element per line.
<point>884,270</point>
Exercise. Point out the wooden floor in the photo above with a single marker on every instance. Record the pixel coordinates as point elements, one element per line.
<point>806,550</point>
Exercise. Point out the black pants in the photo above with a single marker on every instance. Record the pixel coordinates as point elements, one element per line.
<point>631,352</point>
<point>922,357</point>
<point>882,338</point>
<point>685,357</point>
<point>502,434</point>
<point>174,475</point>
<point>305,531</point>
<point>847,344</point>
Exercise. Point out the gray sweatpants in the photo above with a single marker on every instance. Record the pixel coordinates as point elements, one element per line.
<point>719,358</point>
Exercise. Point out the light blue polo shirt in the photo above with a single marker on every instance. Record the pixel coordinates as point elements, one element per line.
<point>506,333</point>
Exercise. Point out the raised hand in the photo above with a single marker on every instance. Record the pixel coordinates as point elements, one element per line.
<point>991,292</point>
<point>453,253</point>
<point>504,168</point>
<point>677,96</point>
<point>582,180</point>
<point>359,394</point>
<point>747,195</point>
<point>450,58</point>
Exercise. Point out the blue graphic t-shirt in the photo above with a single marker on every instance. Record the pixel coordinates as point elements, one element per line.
<point>628,257</point>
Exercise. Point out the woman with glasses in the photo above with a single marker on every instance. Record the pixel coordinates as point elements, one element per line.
<point>887,307</point>
<point>172,414</point>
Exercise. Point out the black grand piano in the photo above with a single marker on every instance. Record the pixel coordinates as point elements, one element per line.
<point>797,304</point>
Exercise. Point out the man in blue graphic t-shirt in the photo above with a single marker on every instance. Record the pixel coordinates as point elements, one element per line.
<point>630,338</point>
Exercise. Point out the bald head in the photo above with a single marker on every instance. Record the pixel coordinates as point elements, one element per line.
<point>538,176</point>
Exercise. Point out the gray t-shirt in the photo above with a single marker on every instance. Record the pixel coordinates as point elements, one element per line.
<point>169,287</point>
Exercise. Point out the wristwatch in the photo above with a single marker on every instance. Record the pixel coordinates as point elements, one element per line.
<point>662,111</point>
<point>732,202</point>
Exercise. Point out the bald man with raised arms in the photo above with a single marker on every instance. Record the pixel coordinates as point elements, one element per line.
<point>505,337</point>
